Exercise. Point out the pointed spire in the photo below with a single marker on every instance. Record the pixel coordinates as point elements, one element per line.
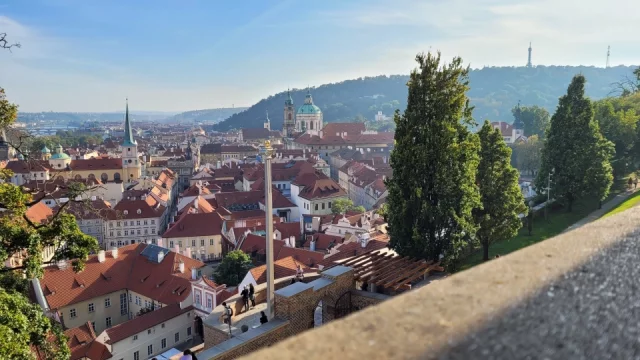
<point>128,133</point>
<point>267,120</point>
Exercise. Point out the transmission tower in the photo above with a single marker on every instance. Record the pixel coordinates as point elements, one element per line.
<point>529,59</point>
<point>608,55</point>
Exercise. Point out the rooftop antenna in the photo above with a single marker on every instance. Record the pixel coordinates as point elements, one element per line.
<point>608,55</point>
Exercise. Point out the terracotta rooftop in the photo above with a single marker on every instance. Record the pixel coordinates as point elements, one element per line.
<point>39,213</point>
<point>323,241</point>
<point>132,269</point>
<point>281,268</point>
<point>83,345</point>
<point>97,164</point>
<point>142,323</point>
<point>191,225</point>
<point>350,128</point>
<point>257,244</point>
<point>317,186</point>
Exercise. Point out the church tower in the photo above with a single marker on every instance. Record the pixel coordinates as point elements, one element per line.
<point>129,150</point>
<point>267,122</point>
<point>289,125</point>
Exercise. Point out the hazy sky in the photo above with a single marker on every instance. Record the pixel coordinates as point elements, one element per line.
<point>174,55</point>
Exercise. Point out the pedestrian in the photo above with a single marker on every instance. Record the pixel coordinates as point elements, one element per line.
<point>299,273</point>
<point>263,318</point>
<point>629,182</point>
<point>186,355</point>
<point>227,313</point>
<point>252,295</point>
<point>245,298</point>
<point>635,183</point>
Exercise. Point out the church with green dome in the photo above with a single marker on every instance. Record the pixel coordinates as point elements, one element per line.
<point>307,119</point>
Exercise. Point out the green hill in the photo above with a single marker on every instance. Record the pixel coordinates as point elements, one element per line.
<point>206,115</point>
<point>494,91</point>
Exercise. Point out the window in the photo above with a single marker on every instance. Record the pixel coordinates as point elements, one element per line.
<point>210,241</point>
<point>145,222</point>
<point>138,300</point>
<point>201,242</point>
<point>179,243</point>
<point>193,243</point>
<point>107,302</point>
<point>209,302</point>
<point>162,326</point>
<point>163,343</point>
<point>111,234</point>
<point>150,349</point>
<point>148,331</point>
<point>136,355</point>
<point>118,224</point>
<point>146,304</point>
<point>322,206</point>
<point>153,222</point>
<point>146,231</point>
<point>123,304</point>
<point>316,206</point>
<point>171,244</point>
<point>135,337</point>
<point>93,325</point>
<point>138,222</point>
<point>198,301</point>
<point>72,313</point>
<point>177,337</point>
<point>126,233</point>
<point>329,205</point>
<point>91,307</point>
<point>138,232</point>
<point>108,321</point>
<point>119,234</point>
<point>189,331</point>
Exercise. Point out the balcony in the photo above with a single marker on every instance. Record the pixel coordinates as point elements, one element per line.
<point>570,297</point>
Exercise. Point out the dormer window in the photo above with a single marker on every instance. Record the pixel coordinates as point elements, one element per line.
<point>125,212</point>
<point>139,211</point>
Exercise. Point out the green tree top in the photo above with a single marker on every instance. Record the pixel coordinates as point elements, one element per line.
<point>233,268</point>
<point>341,206</point>
<point>433,191</point>
<point>535,119</point>
<point>575,150</point>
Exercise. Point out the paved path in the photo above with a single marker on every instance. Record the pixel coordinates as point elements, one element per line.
<point>606,207</point>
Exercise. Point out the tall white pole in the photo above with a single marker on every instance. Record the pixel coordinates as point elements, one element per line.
<point>269,227</point>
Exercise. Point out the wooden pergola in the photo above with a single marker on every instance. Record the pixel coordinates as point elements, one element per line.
<point>389,270</point>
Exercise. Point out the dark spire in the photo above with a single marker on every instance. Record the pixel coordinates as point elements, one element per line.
<point>128,134</point>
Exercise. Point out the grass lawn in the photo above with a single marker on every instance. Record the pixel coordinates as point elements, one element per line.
<point>627,204</point>
<point>559,220</point>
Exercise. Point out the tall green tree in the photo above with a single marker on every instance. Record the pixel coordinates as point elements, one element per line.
<point>502,200</point>
<point>341,206</point>
<point>528,155</point>
<point>535,119</point>
<point>619,127</point>
<point>575,150</point>
<point>435,158</point>
<point>233,268</point>
<point>23,325</point>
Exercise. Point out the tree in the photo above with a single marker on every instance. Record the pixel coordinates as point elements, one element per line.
<point>535,119</point>
<point>22,324</point>
<point>502,201</point>
<point>5,44</point>
<point>575,150</point>
<point>528,155</point>
<point>434,161</point>
<point>341,206</point>
<point>619,127</point>
<point>233,268</point>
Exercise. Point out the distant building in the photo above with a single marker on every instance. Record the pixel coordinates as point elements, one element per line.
<point>511,133</point>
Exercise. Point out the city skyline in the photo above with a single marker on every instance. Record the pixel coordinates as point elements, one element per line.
<point>168,57</point>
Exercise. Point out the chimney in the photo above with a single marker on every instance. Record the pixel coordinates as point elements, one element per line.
<point>313,245</point>
<point>101,256</point>
<point>195,201</point>
<point>160,256</point>
<point>181,267</point>
<point>159,242</point>
<point>194,273</point>
<point>187,252</point>
<point>114,252</point>
<point>176,248</point>
<point>292,241</point>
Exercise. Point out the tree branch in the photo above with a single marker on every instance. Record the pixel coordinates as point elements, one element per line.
<point>4,43</point>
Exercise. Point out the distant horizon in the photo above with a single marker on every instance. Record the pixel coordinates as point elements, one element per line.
<point>173,56</point>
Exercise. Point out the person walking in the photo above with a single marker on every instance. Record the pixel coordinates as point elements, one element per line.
<point>299,273</point>
<point>245,298</point>
<point>635,183</point>
<point>263,318</point>
<point>252,295</point>
<point>629,182</point>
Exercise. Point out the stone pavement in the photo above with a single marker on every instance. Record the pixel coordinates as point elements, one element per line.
<point>606,207</point>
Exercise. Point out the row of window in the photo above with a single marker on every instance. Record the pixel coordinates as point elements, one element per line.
<point>132,232</point>
<point>317,207</point>
<point>131,223</point>
<point>193,243</point>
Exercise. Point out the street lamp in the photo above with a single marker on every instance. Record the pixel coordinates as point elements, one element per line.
<point>268,153</point>
<point>546,206</point>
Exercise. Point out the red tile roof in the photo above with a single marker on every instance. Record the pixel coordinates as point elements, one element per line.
<point>83,345</point>
<point>339,128</point>
<point>39,213</point>
<point>200,224</point>
<point>281,268</point>
<point>506,129</point>
<point>323,241</point>
<point>317,186</point>
<point>142,323</point>
<point>257,244</point>
<point>139,209</point>
<point>97,164</point>
<point>25,166</point>
<point>161,282</point>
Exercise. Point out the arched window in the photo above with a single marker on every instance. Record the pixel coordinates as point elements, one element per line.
<point>116,176</point>
<point>289,117</point>
<point>104,177</point>
<point>311,125</point>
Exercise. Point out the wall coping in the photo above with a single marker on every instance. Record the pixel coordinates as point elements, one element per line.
<point>510,307</point>
<point>241,339</point>
<point>336,271</point>
<point>372,295</point>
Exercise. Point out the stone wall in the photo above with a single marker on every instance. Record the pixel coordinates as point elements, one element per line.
<point>248,342</point>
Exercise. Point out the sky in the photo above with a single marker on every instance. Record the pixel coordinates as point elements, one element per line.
<point>178,55</point>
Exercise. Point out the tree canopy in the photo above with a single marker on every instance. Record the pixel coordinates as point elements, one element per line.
<point>433,191</point>
<point>233,268</point>
<point>575,151</point>
<point>502,200</point>
<point>341,206</point>
<point>534,118</point>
